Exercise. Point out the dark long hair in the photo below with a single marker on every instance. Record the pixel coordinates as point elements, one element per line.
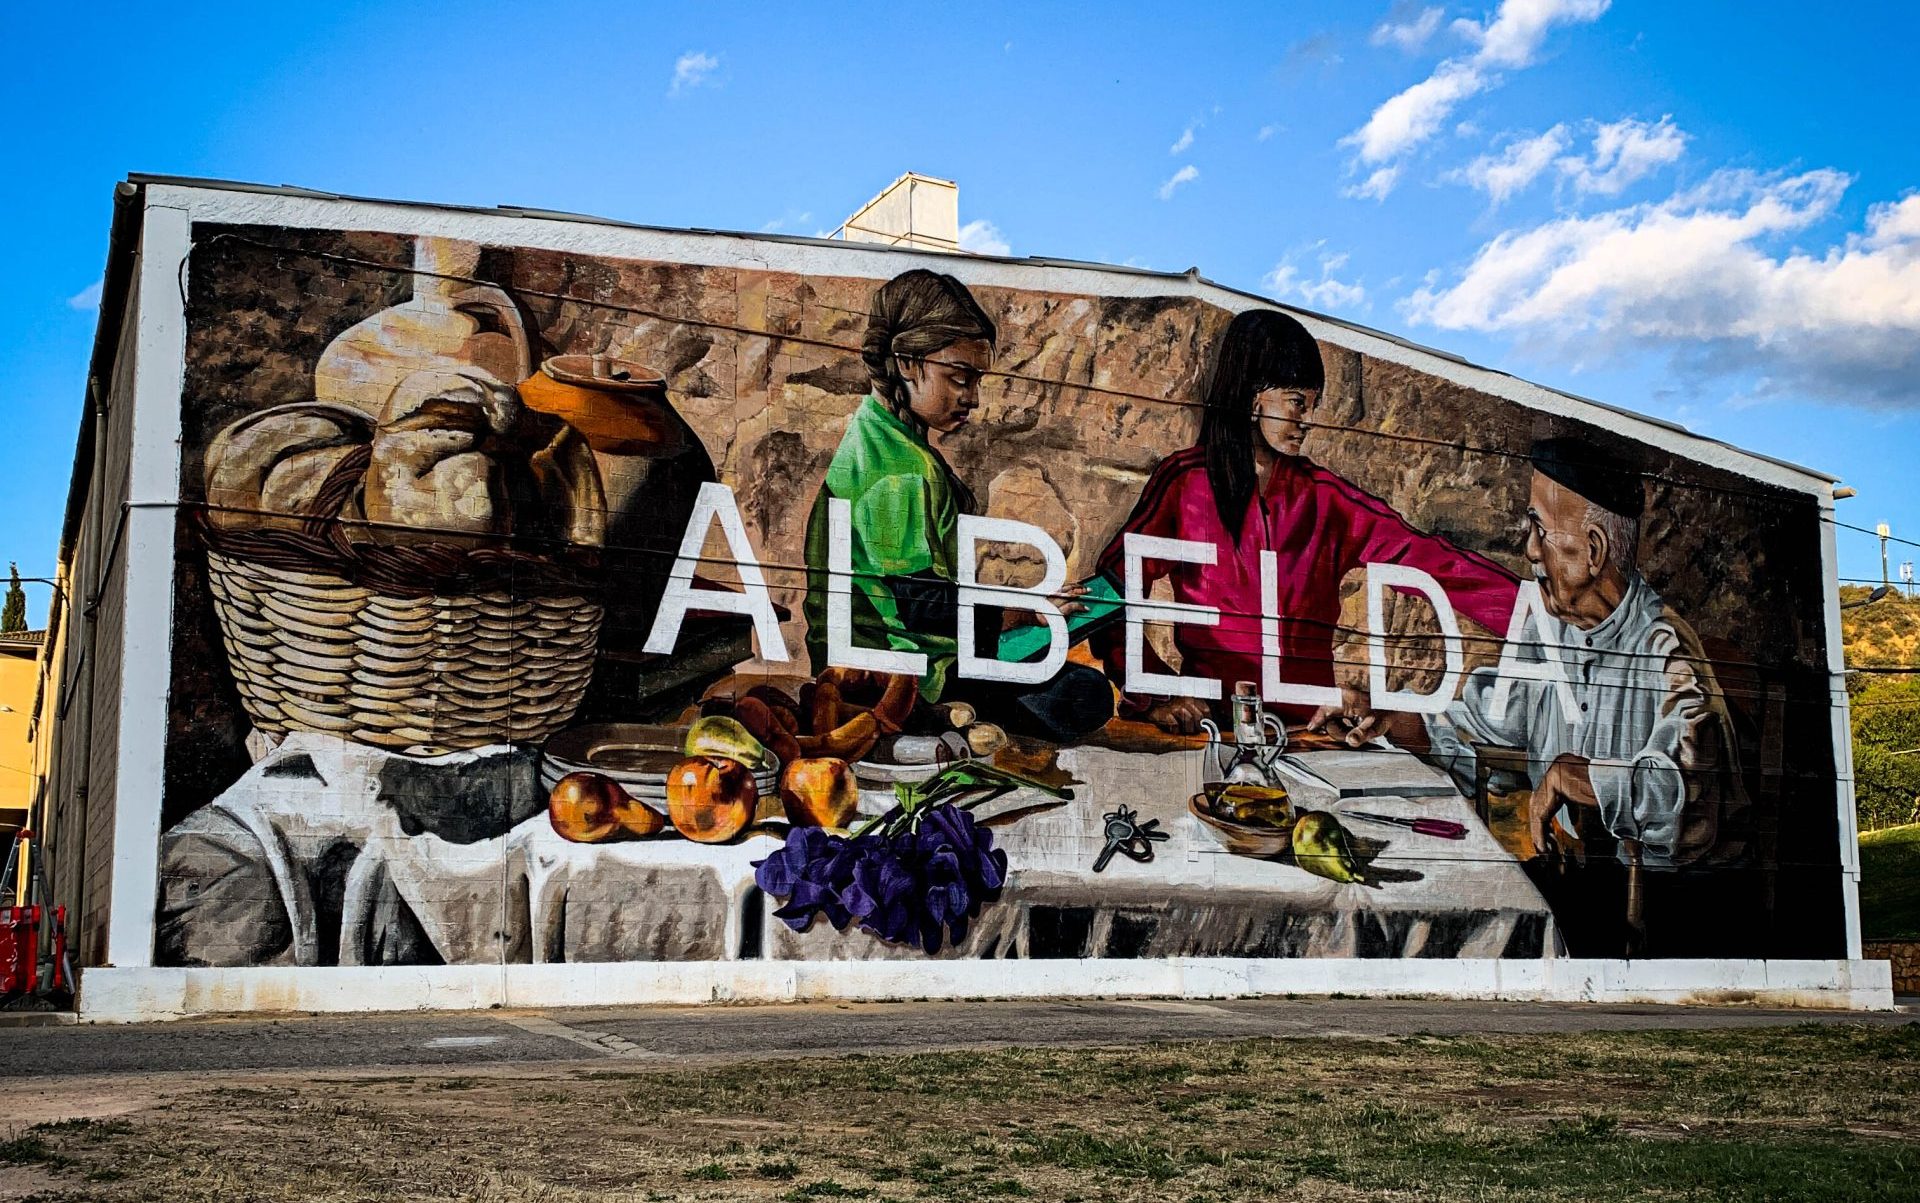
<point>1261,349</point>
<point>916,314</point>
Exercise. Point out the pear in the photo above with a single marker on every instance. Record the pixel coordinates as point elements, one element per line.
<point>1322,846</point>
<point>718,735</point>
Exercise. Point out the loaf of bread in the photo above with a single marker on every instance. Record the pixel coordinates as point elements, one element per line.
<point>435,465</point>
<point>265,470</point>
<point>453,457</point>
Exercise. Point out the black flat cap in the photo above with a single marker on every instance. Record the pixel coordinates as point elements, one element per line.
<point>1603,478</point>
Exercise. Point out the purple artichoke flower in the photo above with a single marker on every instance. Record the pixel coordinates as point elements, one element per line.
<point>918,882</point>
<point>810,871</point>
<point>960,868</point>
<point>883,894</point>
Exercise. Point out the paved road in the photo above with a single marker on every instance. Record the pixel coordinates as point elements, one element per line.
<point>676,1035</point>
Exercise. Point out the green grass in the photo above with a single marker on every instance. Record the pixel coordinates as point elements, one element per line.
<point>1890,883</point>
<point>826,1189</point>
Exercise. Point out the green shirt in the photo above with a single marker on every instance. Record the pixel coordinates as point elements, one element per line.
<point>905,511</point>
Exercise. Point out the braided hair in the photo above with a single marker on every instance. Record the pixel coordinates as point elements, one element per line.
<point>914,315</point>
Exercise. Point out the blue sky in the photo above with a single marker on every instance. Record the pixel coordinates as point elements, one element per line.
<point>1698,210</point>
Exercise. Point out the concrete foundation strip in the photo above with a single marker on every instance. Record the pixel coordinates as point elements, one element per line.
<point>605,1043</point>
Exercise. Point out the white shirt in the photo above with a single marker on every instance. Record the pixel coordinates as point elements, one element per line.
<point>1651,722</point>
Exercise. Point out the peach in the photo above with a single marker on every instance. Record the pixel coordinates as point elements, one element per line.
<point>637,818</point>
<point>711,799</point>
<point>819,791</point>
<point>584,807</point>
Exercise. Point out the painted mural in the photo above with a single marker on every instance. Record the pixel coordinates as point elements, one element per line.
<point>541,608</point>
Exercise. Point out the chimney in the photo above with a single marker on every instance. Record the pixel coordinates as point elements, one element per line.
<point>915,211</point>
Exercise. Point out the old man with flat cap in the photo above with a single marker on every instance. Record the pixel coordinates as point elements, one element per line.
<point>1613,700</point>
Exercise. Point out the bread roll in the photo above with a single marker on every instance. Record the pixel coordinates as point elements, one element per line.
<point>434,474</point>
<point>265,470</point>
<point>568,488</point>
<point>454,456</point>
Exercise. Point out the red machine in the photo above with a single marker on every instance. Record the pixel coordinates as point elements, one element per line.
<point>20,932</point>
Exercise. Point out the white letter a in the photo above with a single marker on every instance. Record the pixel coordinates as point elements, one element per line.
<point>716,501</point>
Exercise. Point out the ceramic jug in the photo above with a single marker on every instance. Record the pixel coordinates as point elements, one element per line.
<point>448,322</point>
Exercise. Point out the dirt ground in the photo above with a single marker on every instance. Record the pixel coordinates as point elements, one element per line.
<point>1811,1112</point>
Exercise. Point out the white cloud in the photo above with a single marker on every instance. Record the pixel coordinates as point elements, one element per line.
<point>1323,292</point>
<point>1502,175</point>
<point>1268,131</point>
<point>1514,36</point>
<point>1510,41</point>
<point>982,237</point>
<point>1699,275</point>
<point>86,298</point>
<point>1375,186</point>
<point>1409,118</point>
<point>1185,141</point>
<point>691,70</point>
<point>1407,28</point>
<point>1624,152</point>
<point>789,219</point>
<point>1186,175</point>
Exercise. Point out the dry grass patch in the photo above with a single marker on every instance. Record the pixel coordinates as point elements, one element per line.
<point>1818,1113</point>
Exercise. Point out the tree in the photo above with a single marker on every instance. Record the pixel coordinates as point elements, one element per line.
<point>13,615</point>
<point>1886,720</point>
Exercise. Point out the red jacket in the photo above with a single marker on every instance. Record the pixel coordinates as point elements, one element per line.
<point>1321,527</point>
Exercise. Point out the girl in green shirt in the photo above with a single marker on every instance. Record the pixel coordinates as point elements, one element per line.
<point>927,345</point>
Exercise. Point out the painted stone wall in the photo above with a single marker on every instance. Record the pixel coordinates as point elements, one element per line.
<point>1903,955</point>
<point>427,706</point>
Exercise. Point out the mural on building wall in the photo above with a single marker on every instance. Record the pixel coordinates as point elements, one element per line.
<point>540,608</point>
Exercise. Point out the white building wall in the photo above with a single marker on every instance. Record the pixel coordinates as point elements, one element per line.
<point>83,789</point>
<point>139,471</point>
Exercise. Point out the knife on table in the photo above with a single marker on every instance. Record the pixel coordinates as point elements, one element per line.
<point>1445,829</point>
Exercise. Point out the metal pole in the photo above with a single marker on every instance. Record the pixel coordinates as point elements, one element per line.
<point>1884,531</point>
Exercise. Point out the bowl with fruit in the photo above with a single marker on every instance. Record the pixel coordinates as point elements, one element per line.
<point>1246,819</point>
<point>874,721</point>
<point>639,757</point>
<point>718,785</point>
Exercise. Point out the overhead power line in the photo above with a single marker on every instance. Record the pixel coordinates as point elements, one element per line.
<point>1775,496</point>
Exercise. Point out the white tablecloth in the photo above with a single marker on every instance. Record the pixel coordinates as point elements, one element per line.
<point>249,879</point>
<point>1451,898</point>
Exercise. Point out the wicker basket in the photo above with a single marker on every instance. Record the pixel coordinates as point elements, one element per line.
<point>422,650</point>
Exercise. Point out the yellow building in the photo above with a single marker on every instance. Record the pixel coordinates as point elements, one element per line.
<point>19,674</point>
<point>19,678</point>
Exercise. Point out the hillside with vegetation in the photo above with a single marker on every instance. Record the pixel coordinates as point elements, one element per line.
<point>1886,706</point>
<point>1886,632</point>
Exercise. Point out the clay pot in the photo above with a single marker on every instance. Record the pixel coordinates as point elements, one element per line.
<point>620,408</point>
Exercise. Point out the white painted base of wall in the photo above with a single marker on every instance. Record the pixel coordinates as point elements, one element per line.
<point>109,995</point>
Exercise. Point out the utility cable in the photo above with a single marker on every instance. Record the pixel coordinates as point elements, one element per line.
<point>1775,495</point>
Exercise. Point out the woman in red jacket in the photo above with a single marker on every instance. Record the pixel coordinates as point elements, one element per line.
<point>1245,488</point>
